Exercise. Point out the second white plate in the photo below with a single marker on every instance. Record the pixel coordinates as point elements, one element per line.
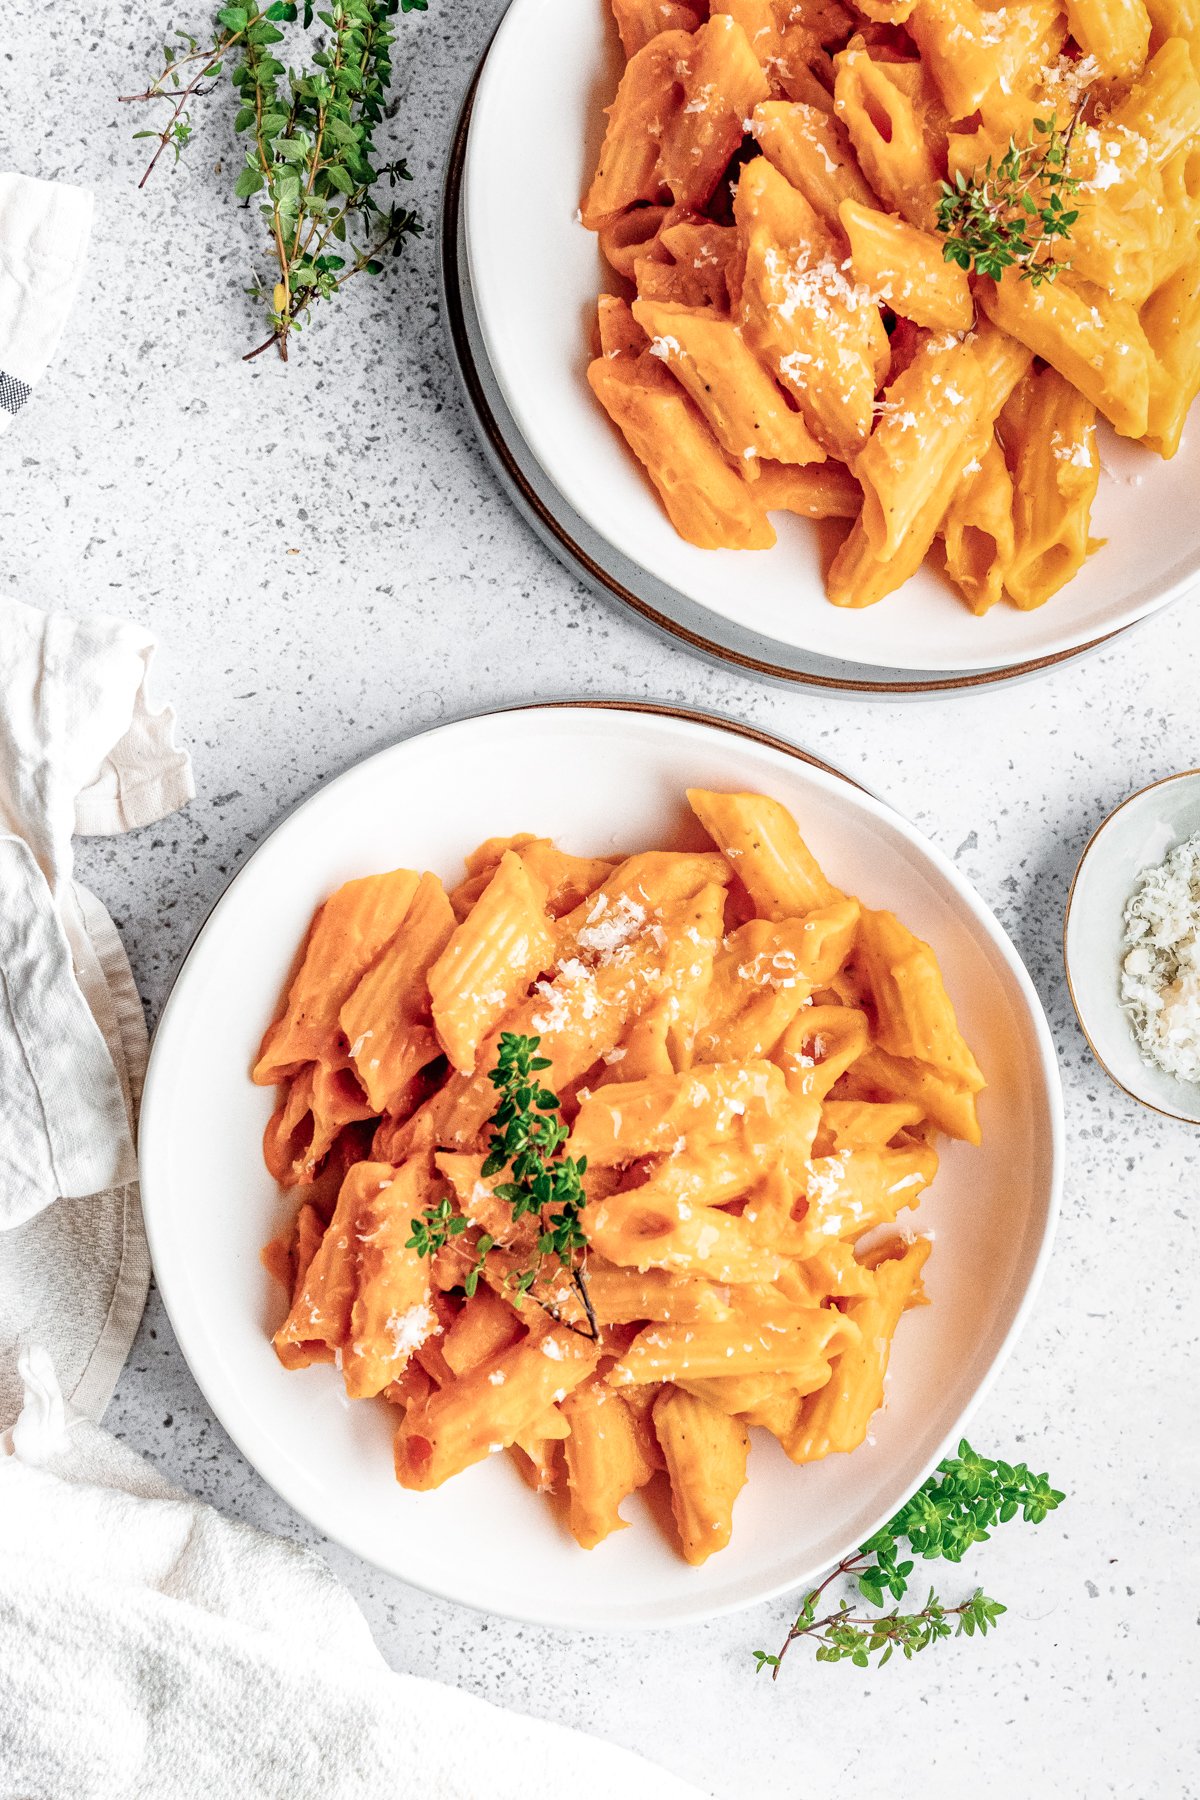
<point>603,568</point>
<point>535,274</point>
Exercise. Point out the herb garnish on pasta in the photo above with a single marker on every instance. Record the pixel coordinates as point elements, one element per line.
<point>544,1185</point>
<point>1013,214</point>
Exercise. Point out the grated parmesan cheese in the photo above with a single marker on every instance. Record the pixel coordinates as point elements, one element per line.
<point>1069,78</point>
<point>1077,454</point>
<point>791,367</point>
<point>1160,973</point>
<point>411,1329</point>
<point>820,288</point>
<point>609,929</point>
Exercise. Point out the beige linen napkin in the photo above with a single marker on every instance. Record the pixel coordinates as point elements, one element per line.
<point>81,749</point>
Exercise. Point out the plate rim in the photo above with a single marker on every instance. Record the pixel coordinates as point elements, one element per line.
<point>1164,1112</point>
<point>584,566</point>
<point>1051,1086</point>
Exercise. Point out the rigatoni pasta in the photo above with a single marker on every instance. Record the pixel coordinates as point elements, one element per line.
<point>741,1073</point>
<point>768,200</point>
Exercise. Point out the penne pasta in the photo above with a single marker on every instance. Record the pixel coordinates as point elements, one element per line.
<point>735,1347</point>
<point>905,267</point>
<point>619,1216</point>
<point>720,82</point>
<point>837,1416</point>
<point>818,333</point>
<point>856,1124</point>
<point>386,1019</point>
<point>1171,321</point>
<point>885,128</point>
<point>947,1103</point>
<point>820,1046</point>
<point>606,1461</point>
<point>1096,343</point>
<point>746,411</point>
<point>318,1324</point>
<point>820,491</point>
<point>1049,435</point>
<point>760,838</point>
<point>861,573</point>
<point>391,1312</point>
<point>928,418</point>
<point>978,530</point>
<point>956,42</point>
<point>812,150</point>
<point>627,238</point>
<point>473,1416</point>
<point>709,504</point>
<point>706,1454</point>
<point>1163,105</point>
<point>640,20</point>
<point>346,936</point>
<point>733,1102</point>
<point>913,1013</point>
<point>854,1190</point>
<point>490,960</point>
<point>629,168</point>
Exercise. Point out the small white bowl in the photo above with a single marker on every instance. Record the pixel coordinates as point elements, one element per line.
<point>1140,833</point>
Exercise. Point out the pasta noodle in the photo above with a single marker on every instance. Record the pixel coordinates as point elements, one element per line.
<point>751,1070</point>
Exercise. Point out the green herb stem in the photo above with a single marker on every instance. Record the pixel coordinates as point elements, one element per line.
<point>527,1139</point>
<point>311,154</point>
<point>178,131</point>
<point>842,1636</point>
<point>1014,214</point>
<point>960,1505</point>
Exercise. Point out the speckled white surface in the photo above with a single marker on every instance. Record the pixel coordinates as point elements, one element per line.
<point>329,565</point>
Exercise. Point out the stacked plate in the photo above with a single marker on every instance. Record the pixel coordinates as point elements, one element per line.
<point>521,277</point>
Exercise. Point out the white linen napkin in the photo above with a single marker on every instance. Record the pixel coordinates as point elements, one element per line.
<point>44,227</point>
<point>152,1650</point>
<point>80,750</point>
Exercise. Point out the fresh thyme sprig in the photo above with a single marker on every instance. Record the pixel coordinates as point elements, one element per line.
<point>311,151</point>
<point>544,1184</point>
<point>1015,214</point>
<point>960,1505</point>
<point>434,1230</point>
<point>843,1637</point>
<point>527,1139</point>
<point>180,80</point>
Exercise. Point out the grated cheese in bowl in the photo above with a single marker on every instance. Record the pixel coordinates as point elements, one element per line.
<point>1160,971</point>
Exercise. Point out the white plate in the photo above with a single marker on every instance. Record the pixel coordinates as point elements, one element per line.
<point>597,563</point>
<point>600,779</point>
<point>536,272</point>
<point>1140,833</point>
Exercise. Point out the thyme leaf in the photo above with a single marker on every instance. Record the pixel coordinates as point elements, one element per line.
<point>1015,213</point>
<point>960,1505</point>
<point>310,151</point>
<point>527,1140</point>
